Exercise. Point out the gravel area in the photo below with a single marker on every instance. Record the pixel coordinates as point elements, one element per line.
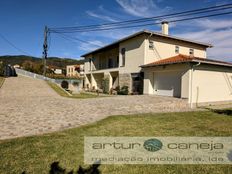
<point>29,107</point>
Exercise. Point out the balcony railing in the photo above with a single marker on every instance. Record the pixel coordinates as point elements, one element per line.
<point>104,67</point>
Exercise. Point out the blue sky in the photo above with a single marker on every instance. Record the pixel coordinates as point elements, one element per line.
<point>23,22</point>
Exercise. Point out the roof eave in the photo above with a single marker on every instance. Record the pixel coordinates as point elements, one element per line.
<point>148,32</point>
<point>114,43</point>
<point>192,61</point>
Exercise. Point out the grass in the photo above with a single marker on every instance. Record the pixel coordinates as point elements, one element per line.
<point>35,154</point>
<point>2,79</point>
<point>62,93</point>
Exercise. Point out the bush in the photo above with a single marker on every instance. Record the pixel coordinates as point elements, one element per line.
<point>64,84</point>
<point>124,90</point>
<point>1,69</point>
<point>105,85</point>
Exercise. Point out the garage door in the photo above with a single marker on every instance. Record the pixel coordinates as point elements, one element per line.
<point>167,83</point>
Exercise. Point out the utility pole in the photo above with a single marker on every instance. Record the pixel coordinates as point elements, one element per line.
<point>45,49</point>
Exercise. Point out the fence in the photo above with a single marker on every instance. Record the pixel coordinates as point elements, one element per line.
<point>72,86</point>
<point>33,75</point>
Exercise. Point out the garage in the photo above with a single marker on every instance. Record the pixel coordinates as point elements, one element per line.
<point>167,83</point>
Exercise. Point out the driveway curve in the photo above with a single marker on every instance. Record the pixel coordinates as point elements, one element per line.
<point>29,106</point>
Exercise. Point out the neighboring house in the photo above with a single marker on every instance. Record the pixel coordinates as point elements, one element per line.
<point>58,71</point>
<point>55,69</point>
<point>157,63</point>
<point>75,70</point>
<point>17,66</point>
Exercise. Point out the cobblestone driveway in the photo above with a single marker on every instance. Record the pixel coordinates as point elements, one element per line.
<point>29,107</point>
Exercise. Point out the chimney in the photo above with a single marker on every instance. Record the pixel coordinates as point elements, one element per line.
<point>165,27</point>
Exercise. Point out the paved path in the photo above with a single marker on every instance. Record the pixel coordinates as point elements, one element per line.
<point>29,106</point>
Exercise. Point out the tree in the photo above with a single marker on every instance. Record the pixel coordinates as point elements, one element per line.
<point>1,68</point>
<point>28,65</point>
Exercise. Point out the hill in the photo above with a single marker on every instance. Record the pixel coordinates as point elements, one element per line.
<point>51,61</point>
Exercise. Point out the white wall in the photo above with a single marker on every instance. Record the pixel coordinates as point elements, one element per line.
<point>211,84</point>
<point>165,48</point>
<point>134,54</point>
<point>180,69</point>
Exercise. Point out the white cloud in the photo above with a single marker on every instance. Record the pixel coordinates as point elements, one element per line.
<point>92,45</point>
<point>100,16</point>
<point>141,8</point>
<point>214,24</point>
<point>216,32</point>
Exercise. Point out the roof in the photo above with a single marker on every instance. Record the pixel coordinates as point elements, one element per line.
<point>150,33</point>
<point>185,59</point>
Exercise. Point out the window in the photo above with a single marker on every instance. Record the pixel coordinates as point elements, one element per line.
<point>191,52</point>
<point>177,49</point>
<point>123,52</point>
<point>151,44</point>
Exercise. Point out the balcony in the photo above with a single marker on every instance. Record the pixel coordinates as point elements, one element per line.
<point>110,63</point>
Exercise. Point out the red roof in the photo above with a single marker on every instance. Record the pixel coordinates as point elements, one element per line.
<point>184,59</point>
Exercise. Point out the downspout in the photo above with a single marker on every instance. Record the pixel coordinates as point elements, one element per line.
<point>191,83</point>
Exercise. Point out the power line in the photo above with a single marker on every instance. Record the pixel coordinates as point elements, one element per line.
<point>141,25</point>
<point>12,45</point>
<point>75,39</point>
<point>174,17</point>
<point>185,13</point>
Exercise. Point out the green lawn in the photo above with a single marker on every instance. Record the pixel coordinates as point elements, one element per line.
<point>34,154</point>
<point>64,94</point>
<point>1,81</point>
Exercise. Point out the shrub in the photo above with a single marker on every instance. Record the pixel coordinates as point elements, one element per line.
<point>105,85</point>
<point>1,69</point>
<point>124,90</point>
<point>64,84</point>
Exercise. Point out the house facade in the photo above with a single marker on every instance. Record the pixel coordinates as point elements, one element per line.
<point>157,63</point>
<point>75,70</point>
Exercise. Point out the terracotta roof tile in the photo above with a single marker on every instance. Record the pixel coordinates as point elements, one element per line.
<point>184,59</point>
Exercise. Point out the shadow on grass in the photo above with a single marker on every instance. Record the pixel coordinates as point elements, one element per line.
<point>223,111</point>
<point>56,169</point>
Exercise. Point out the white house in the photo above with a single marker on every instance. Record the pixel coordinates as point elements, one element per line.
<point>157,63</point>
<point>75,70</point>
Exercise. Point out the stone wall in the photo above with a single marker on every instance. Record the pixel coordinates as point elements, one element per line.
<point>125,80</point>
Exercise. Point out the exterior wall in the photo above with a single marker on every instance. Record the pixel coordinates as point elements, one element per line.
<point>125,80</point>
<point>87,81</point>
<point>138,53</point>
<point>134,56</point>
<point>185,83</point>
<point>87,64</point>
<point>98,79</point>
<point>165,48</point>
<point>181,69</point>
<point>70,70</point>
<point>148,81</point>
<point>100,60</point>
<point>211,84</point>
